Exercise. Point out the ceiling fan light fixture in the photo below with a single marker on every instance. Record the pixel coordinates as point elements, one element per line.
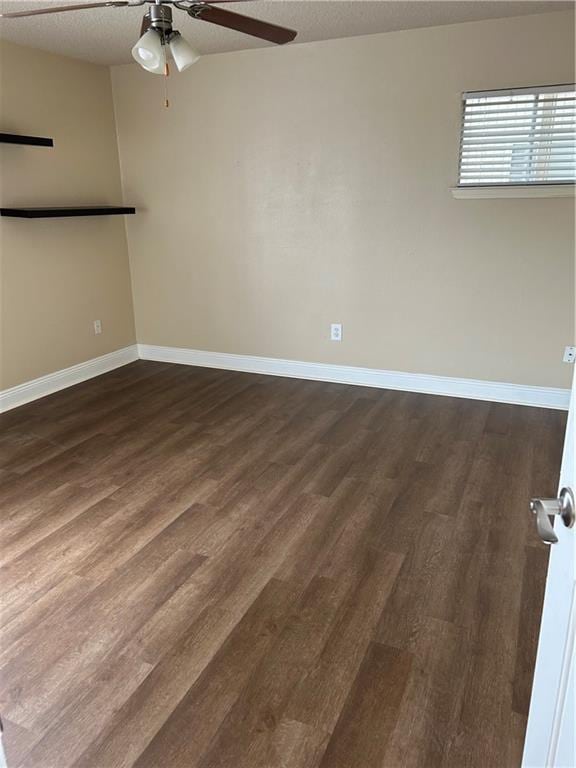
<point>182,52</point>
<point>149,53</point>
<point>156,30</point>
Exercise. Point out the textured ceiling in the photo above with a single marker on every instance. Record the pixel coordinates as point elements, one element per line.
<point>106,35</point>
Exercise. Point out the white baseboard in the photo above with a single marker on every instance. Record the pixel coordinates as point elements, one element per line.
<point>493,391</point>
<point>67,377</point>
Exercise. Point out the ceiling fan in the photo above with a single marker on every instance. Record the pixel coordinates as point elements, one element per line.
<point>157,32</point>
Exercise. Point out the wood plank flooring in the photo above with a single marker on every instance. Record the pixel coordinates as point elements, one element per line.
<point>205,569</point>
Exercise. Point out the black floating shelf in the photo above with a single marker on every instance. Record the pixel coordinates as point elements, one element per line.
<point>36,141</point>
<point>52,213</point>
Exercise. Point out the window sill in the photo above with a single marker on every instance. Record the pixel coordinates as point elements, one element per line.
<point>540,190</point>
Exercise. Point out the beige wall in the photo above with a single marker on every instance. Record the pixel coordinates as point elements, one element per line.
<point>59,275</point>
<point>288,188</point>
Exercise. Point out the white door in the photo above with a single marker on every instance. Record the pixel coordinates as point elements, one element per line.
<point>550,735</point>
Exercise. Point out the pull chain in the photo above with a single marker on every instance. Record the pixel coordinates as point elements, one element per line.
<point>166,76</point>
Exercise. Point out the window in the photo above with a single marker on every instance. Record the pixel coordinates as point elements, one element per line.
<point>523,136</point>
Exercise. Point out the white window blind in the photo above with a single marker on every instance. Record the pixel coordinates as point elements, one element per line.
<point>519,136</point>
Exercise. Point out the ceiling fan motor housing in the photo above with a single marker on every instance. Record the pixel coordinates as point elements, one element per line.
<point>160,17</point>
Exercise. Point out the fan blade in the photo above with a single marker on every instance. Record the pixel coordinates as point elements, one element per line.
<point>246,24</point>
<point>145,25</point>
<point>63,8</point>
<point>185,5</point>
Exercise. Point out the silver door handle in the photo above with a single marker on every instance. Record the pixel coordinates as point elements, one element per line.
<point>546,508</point>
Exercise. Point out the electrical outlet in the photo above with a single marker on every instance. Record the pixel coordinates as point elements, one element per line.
<point>336,332</point>
<point>97,327</point>
<point>569,355</point>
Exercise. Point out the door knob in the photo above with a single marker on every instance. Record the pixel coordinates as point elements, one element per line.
<point>546,508</point>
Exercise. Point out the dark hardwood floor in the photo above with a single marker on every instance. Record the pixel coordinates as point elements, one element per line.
<point>205,569</point>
